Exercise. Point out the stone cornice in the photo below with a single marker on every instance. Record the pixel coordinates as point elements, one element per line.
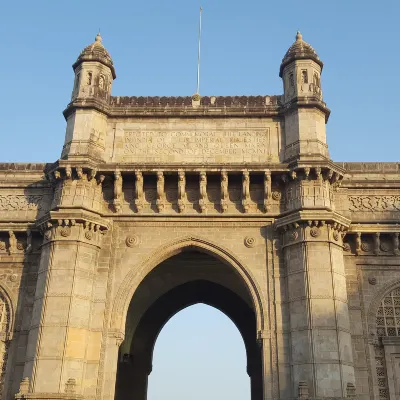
<point>72,216</point>
<point>306,102</point>
<point>374,228</point>
<point>308,216</point>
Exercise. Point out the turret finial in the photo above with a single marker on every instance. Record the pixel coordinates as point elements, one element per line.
<point>299,36</point>
<point>99,38</point>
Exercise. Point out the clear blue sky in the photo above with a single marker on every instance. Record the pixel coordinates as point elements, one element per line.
<point>154,48</point>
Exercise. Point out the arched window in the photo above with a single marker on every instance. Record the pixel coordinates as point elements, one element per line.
<point>387,324</point>
<point>316,81</point>
<point>89,78</point>
<point>291,79</point>
<point>4,339</point>
<point>388,316</point>
<point>304,76</point>
<point>102,82</point>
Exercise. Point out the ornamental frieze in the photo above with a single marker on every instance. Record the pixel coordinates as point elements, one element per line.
<point>21,202</point>
<point>374,203</point>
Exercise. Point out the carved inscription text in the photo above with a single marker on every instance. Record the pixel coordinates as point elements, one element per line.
<point>198,145</point>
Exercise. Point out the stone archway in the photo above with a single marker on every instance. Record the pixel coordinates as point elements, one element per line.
<point>136,275</point>
<point>186,278</point>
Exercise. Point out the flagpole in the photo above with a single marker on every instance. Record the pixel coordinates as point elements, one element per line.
<point>198,55</point>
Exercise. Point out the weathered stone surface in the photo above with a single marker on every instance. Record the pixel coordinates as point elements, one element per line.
<point>160,202</point>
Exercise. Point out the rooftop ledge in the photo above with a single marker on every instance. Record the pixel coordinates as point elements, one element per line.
<point>187,101</point>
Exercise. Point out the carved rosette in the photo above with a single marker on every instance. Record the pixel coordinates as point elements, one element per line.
<point>276,195</point>
<point>132,240</point>
<point>315,232</point>
<point>250,241</point>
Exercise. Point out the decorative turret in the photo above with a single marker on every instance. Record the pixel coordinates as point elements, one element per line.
<point>94,72</point>
<point>86,118</point>
<point>301,71</point>
<point>305,112</point>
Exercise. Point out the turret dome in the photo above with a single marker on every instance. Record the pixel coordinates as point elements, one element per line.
<point>96,52</point>
<point>299,50</point>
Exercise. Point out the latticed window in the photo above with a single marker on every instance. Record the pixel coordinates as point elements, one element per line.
<point>388,316</point>
<point>387,324</point>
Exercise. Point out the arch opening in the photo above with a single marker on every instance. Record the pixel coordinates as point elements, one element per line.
<point>185,279</point>
<point>199,354</point>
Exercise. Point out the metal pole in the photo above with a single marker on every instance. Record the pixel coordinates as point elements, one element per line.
<point>198,56</point>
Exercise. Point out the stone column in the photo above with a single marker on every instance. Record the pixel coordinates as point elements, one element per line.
<point>319,319</point>
<point>61,344</point>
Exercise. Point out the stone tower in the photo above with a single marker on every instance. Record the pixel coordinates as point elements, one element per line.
<point>305,111</point>
<point>312,235</point>
<point>86,120</point>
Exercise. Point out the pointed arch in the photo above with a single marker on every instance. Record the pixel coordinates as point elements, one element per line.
<point>375,303</point>
<point>136,276</point>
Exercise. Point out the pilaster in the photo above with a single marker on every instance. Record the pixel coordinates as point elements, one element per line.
<point>317,297</point>
<point>65,334</point>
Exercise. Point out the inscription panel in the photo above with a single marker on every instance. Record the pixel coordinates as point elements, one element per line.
<point>208,143</point>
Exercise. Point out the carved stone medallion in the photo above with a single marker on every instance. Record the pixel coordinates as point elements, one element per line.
<point>315,232</point>
<point>65,231</point>
<point>276,195</point>
<point>372,280</point>
<point>250,241</point>
<point>132,240</point>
